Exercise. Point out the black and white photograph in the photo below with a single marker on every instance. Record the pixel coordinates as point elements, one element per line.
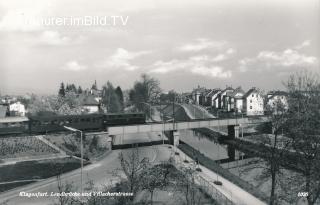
<point>159,102</point>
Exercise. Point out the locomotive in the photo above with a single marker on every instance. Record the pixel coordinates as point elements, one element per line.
<point>56,123</point>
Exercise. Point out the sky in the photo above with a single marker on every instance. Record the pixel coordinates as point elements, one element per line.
<point>183,43</point>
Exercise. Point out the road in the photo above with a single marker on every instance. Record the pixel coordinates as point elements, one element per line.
<point>99,172</point>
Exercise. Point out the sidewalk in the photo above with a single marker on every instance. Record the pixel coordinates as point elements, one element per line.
<point>227,189</point>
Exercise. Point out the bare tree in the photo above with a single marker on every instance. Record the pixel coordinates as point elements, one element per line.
<point>152,178</point>
<point>304,130</point>
<point>132,165</point>
<point>64,187</point>
<point>145,91</point>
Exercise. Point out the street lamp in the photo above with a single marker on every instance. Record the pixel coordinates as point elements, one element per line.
<point>81,149</point>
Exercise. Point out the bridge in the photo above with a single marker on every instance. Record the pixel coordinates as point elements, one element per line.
<point>233,125</point>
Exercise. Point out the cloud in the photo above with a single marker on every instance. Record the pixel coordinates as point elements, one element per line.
<point>303,44</point>
<point>199,65</point>
<point>53,38</point>
<point>230,51</point>
<point>201,44</point>
<point>74,66</point>
<point>286,59</point>
<point>216,72</point>
<point>121,60</point>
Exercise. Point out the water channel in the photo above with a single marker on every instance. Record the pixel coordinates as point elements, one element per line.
<point>210,146</point>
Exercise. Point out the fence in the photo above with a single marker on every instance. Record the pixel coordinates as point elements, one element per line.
<point>207,186</point>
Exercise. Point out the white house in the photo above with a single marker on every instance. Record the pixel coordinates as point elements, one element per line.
<point>253,102</point>
<point>276,99</point>
<point>17,109</point>
<point>90,104</point>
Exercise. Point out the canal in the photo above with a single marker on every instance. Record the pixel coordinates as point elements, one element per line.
<point>211,147</point>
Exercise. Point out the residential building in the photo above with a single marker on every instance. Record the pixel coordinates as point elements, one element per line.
<point>17,109</point>
<point>212,96</point>
<point>4,110</point>
<point>90,104</point>
<point>234,100</point>
<point>222,95</point>
<point>253,102</point>
<point>198,95</point>
<point>275,97</point>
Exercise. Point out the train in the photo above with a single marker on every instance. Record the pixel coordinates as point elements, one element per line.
<point>56,123</point>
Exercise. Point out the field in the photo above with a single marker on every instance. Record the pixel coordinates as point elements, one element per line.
<point>288,183</point>
<point>34,170</point>
<point>70,143</point>
<point>14,147</point>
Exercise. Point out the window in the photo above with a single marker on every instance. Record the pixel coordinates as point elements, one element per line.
<point>250,101</point>
<point>252,95</point>
<point>250,107</point>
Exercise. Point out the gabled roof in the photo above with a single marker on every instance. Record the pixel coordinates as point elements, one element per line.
<point>89,100</point>
<point>227,89</point>
<point>214,92</point>
<point>235,92</point>
<point>252,90</point>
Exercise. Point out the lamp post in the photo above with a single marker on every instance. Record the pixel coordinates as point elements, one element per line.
<point>81,150</point>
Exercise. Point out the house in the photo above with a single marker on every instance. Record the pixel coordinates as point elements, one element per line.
<point>4,110</point>
<point>275,99</point>
<point>234,100</point>
<point>90,104</point>
<point>198,95</point>
<point>212,96</point>
<point>253,102</point>
<point>222,95</point>
<point>17,109</point>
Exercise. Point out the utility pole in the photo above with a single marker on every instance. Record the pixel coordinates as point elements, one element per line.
<point>81,150</point>
<point>173,113</point>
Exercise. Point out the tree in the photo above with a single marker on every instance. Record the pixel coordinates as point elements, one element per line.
<point>169,97</point>
<point>80,91</point>
<point>110,99</point>
<point>132,166</point>
<point>94,86</point>
<point>146,91</point>
<point>151,179</point>
<point>186,185</point>
<point>62,90</point>
<point>119,93</point>
<point>278,144</point>
<point>303,128</point>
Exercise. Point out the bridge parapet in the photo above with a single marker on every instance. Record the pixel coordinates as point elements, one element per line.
<point>168,126</point>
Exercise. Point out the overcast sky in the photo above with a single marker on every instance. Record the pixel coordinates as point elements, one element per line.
<point>183,44</point>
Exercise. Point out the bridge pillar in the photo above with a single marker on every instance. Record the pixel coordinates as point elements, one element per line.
<point>174,137</point>
<point>233,131</point>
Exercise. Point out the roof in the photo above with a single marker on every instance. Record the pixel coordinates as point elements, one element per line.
<point>90,100</point>
<point>13,119</point>
<point>235,92</point>
<point>214,92</point>
<point>227,89</point>
<point>252,90</point>
<point>277,92</point>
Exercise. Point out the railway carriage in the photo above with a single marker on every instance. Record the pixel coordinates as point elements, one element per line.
<point>55,123</point>
<point>14,125</point>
